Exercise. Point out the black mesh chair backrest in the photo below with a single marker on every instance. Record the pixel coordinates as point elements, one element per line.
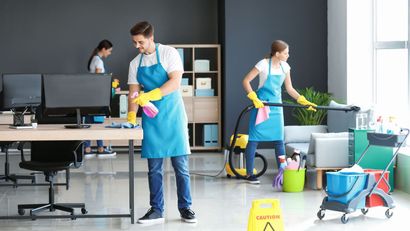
<point>57,151</point>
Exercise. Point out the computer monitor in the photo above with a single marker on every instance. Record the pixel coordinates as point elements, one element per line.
<point>76,94</point>
<point>21,93</point>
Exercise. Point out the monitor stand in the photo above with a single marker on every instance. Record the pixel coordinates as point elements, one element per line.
<point>79,124</point>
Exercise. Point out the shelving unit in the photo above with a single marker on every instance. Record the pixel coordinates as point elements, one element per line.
<point>201,110</point>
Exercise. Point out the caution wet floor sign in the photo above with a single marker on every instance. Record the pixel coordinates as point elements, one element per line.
<point>265,215</point>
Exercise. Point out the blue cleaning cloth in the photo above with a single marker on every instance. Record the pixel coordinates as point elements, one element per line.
<point>122,125</point>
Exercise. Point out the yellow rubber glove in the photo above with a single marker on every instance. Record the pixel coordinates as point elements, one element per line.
<point>144,98</point>
<point>256,102</point>
<point>303,101</point>
<point>132,117</point>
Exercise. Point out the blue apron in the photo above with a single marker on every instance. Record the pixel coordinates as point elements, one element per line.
<point>272,128</point>
<point>98,119</point>
<point>166,135</point>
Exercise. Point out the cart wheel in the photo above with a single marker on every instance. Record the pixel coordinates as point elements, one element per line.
<point>389,213</point>
<point>364,211</point>
<point>21,212</point>
<point>73,218</point>
<point>344,219</point>
<point>84,211</point>
<point>321,214</point>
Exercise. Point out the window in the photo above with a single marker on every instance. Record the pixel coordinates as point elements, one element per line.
<point>391,58</point>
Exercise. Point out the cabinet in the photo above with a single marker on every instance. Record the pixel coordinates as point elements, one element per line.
<point>201,90</point>
<point>377,157</point>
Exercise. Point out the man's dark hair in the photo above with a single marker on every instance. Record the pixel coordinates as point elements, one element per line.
<point>142,28</point>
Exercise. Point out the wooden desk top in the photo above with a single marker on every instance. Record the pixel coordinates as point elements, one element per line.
<point>58,132</point>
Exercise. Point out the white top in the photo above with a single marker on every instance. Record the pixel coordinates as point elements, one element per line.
<point>97,62</point>
<point>263,67</point>
<point>169,58</point>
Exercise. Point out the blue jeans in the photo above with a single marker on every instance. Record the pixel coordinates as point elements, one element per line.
<point>87,143</point>
<point>250,154</point>
<point>155,174</point>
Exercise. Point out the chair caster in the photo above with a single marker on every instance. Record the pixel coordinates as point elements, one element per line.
<point>21,212</point>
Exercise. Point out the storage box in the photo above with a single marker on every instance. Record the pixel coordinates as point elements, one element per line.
<point>345,186</point>
<point>210,135</point>
<point>186,90</point>
<point>203,83</point>
<point>201,65</point>
<point>375,200</point>
<point>204,92</point>
<point>184,81</point>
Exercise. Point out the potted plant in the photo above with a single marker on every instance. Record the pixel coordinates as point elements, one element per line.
<point>306,117</point>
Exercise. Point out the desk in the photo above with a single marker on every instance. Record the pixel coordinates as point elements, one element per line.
<point>97,131</point>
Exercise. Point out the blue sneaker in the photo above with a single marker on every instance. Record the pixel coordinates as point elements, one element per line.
<point>252,180</point>
<point>106,153</point>
<point>88,155</point>
<point>151,217</point>
<point>187,215</point>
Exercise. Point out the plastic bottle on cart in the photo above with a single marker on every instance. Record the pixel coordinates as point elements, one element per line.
<point>379,124</point>
<point>392,127</point>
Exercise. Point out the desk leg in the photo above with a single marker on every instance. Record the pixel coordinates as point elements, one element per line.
<point>131,177</point>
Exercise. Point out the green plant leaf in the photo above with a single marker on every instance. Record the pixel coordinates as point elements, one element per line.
<point>305,117</point>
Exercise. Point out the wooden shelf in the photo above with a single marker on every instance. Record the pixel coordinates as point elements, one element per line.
<point>202,110</point>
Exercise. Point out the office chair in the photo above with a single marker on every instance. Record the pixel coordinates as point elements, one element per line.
<point>50,157</point>
<point>5,145</point>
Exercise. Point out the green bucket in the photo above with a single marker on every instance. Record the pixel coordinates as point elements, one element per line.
<point>294,180</point>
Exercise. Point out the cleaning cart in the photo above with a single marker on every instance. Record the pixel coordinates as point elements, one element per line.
<point>354,189</point>
<point>235,166</point>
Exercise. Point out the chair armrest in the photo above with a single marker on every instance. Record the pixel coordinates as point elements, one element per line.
<point>332,152</point>
<point>78,157</point>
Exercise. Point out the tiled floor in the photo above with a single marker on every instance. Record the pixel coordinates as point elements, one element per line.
<point>220,203</point>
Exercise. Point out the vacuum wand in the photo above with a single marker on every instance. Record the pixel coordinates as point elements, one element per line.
<point>346,108</point>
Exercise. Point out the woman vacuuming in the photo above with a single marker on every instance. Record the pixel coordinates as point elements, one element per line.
<point>273,71</point>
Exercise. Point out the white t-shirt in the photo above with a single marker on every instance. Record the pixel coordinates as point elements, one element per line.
<point>97,62</point>
<point>169,59</point>
<point>263,68</point>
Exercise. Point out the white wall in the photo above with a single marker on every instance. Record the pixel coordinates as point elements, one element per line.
<point>350,51</point>
<point>336,48</point>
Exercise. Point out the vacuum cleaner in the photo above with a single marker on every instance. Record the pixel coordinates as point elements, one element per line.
<point>239,141</point>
